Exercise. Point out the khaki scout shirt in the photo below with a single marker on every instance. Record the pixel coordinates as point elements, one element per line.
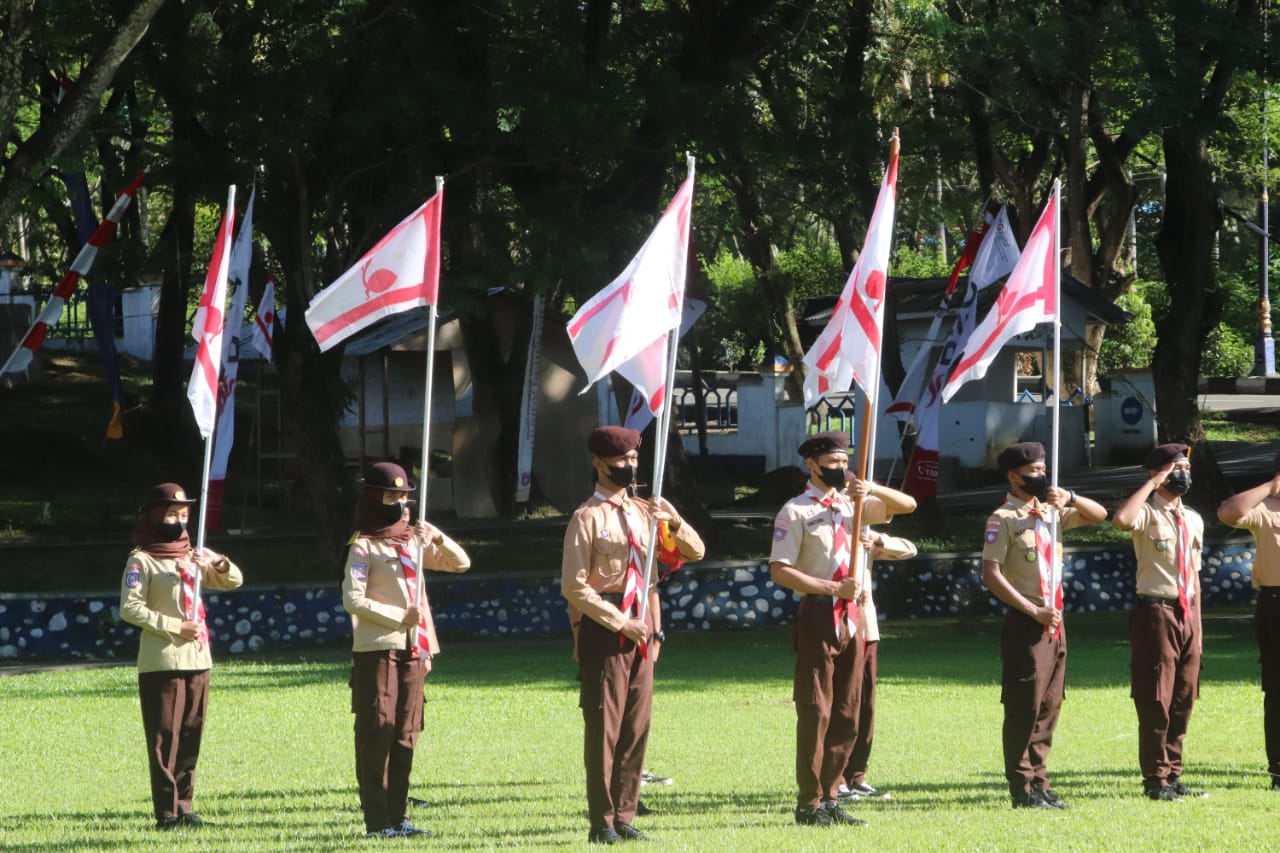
<point>1263,521</point>
<point>803,532</point>
<point>1011,541</point>
<point>151,598</point>
<point>376,593</point>
<point>596,550</point>
<point>895,548</point>
<point>1155,544</point>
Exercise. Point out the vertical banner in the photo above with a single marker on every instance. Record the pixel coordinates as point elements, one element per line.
<point>529,403</point>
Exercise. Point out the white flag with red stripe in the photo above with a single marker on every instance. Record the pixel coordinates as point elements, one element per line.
<point>209,325</point>
<point>264,321</point>
<point>399,273</point>
<point>52,311</point>
<point>624,327</point>
<point>848,350</point>
<point>1028,299</point>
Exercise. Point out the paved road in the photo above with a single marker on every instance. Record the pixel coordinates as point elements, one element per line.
<point>1235,402</point>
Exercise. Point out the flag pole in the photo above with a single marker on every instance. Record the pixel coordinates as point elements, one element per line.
<point>661,437</point>
<point>420,591</point>
<point>867,433</point>
<point>1056,417</point>
<point>208,439</point>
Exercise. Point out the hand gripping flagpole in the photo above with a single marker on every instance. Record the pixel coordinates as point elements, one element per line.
<point>1055,570</point>
<point>861,559</point>
<point>419,594</point>
<point>662,431</point>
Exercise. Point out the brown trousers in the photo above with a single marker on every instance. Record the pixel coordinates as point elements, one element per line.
<point>616,698</point>
<point>1034,667</point>
<point>1266,623</point>
<point>173,710</point>
<point>386,698</point>
<point>1165,676</point>
<point>856,772</point>
<point>827,694</point>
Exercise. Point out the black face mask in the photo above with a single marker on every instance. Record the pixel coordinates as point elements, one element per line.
<point>172,531</point>
<point>1037,487</point>
<point>390,513</point>
<point>623,476</point>
<point>1178,482</point>
<point>833,477</point>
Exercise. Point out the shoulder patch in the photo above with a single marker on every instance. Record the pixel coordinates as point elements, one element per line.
<point>132,577</point>
<point>992,536</point>
<point>359,571</point>
<point>779,533</point>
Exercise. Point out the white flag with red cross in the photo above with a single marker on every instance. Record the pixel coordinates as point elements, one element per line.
<point>211,320</point>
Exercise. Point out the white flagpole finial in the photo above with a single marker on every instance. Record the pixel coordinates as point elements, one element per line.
<point>439,182</point>
<point>688,160</point>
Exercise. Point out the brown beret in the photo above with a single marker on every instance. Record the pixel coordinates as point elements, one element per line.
<point>167,493</point>
<point>1164,454</point>
<point>610,441</point>
<point>824,442</point>
<point>387,476</point>
<point>1022,453</point>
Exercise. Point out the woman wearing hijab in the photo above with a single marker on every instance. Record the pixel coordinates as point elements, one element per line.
<point>393,639</point>
<point>158,594</point>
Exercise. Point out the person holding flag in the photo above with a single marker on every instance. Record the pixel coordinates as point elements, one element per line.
<point>158,594</point>
<point>617,624</point>
<point>393,640</point>
<point>812,555</point>
<point>1022,566</point>
<point>1165,639</point>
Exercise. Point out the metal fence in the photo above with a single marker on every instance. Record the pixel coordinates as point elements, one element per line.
<point>720,405</point>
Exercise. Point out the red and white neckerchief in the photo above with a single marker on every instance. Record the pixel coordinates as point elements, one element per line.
<point>1046,560</point>
<point>422,645</point>
<point>843,610</point>
<point>633,583</point>
<point>192,605</point>
<point>1184,561</point>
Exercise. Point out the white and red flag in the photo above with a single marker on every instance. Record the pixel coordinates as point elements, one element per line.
<point>52,311</point>
<point>849,347</point>
<point>209,324</point>
<point>1029,298</point>
<point>264,321</point>
<point>639,415</point>
<point>402,271</point>
<point>624,327</point>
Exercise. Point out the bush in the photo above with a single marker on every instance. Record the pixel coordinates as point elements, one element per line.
<point>1130,344</point>
<point>1226,353</point>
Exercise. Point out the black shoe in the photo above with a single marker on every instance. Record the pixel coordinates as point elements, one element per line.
<point>642,810</point>
<point>1175,782</point>
<point>812,816</point>
<point>864,790</point>
<point>1275,783</point>
<point>191,819</point>
<point>165,824</point>
<point>1163,795</point>
<point>647,778</point>
<point>389,832</point>
<point>406,829</point>
<point>627,832</point>
<point>840,817</point>
<point>1051,797</point>
<point>1031,800</point>
<point>417,803</point>
<point>604,836</point>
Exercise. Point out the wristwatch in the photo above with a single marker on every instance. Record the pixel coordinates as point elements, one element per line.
<point>660,636</point>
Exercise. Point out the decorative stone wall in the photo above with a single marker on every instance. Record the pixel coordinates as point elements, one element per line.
<point>700,597</point>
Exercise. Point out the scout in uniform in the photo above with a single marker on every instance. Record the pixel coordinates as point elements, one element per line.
<point>812,555</point>
<point>1258,511</point>
<point>881,503</point>
<point>1165,640</point>
<point>158,594</point>
<point>602,579</point>
<point>1022,566</point>
<point>393,639</point>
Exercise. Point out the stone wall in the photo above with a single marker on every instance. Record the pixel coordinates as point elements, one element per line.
<point>701,597</point>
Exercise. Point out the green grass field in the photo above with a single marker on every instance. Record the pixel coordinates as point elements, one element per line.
<point>500,759</point>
